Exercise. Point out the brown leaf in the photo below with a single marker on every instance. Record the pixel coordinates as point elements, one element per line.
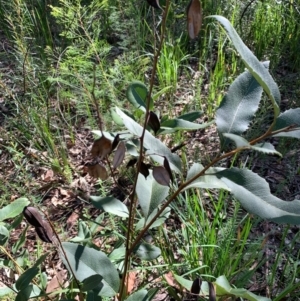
<point>194,18</point>
<point>131,278</point>
<point>212,292</point>
<point>168,168</point>
<point>115,142</point>
<point>119,155</point>
<point>48,176</point>
<point>161,175</point>
<point>153,122</point>
<point>33,216</point>
<point>56,282</point>
<point>101,147</point>
<point>144,170</point>
<point>45,232</point>
<point>72,220</point>
<point>171,280</point>
<point>97,171</point>
<point>196,286</point>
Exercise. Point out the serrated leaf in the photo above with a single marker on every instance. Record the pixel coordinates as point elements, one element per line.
<point>239,105</point>
<point>253,192</point>
<point>161,175</point>
<point>147,252</point>
<point>208,181</point>
<point>150,194</point>
<point>153,145</point>
<point>223,287</point>
<point>13,209</point>
<point>119,155</point>
<point>194,18</point>
<point>86,262</point>
<point>110,204</point>
<point>288,118</point>
<point>137,93</point>
<point>265,147</point>
<point>253,65</point>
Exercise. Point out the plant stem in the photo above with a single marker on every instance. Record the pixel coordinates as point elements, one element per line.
<point>132,208</point>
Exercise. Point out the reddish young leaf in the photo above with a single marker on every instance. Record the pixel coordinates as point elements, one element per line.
<point>97,171</point>
<point>194,18</point>
<point>119,155</point>
<point>153,122</point>
<point>115,142</point>
<point>212,292</point>
<point>131,162</point>
<point>196,286</point>
<point>33,216</point>
<point>154,3</point>
<point>144,170</point>
<point>101,147</point>
<point>168,168</point>
<point>161,175</point>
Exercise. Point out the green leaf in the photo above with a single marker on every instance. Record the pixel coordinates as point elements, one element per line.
<point>92,296</point>
<point>147,252</point>
<point>143,295</point>
<point>253,65</point>
<point>158,222</point>
<point>5,291</point>
<point>31,291</point>
<point>223,288</point>
<point>137,95</point>
<point>191,116</point>
<point>25,279</point>
<point>240,142</point>
<point>150,194</point>
<point>288,118</point>
<point>91,282</point>
<point>155,148</point>
<point>4,235</point>
<point>13,209</point>
<point>86,262</point>
<point>177,124</point>
<point>84,233</point>
<point>208,181</point>
<point>239,105</point>
<point>20,242</point>
<point>187,284</point>
<point>111,205</point>
<point>253,192</point>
